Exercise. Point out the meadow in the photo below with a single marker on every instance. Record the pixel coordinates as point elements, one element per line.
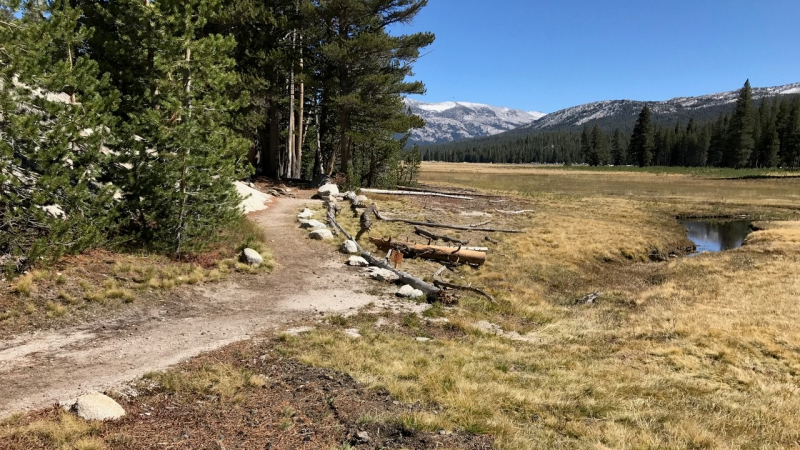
<point>699,352</point>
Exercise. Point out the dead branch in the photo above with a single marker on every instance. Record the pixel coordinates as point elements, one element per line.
<point>415,193</point>
<point>436,190</point>
<point>444,284</point>
<point>475,227</point>
<point>489,238</point>
<point>437,237</point>
<point>588,299</point>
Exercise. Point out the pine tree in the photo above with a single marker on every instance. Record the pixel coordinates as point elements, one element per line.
<point>643,140</point>
<point>740,143</point>
<point>618,151</point>
<point>183,151</point>
<point>598,154</point>
<point>55,114</point>
<point>586,144</point>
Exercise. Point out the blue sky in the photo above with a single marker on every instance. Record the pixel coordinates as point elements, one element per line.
<point>548,55</point>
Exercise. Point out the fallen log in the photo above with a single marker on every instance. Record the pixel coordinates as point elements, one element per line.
<point>428,289</point>
<point>476,227</point>
<point>437,237</point>
<point>515,213</point>
<point>432,252</point>
<point>423,194</point>
<point>435,190</point>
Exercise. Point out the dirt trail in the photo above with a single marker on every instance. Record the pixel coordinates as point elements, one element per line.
<point>45,367</point>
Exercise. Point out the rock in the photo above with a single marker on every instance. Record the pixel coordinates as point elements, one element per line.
<point>251,257</point>
<point>97,407</point>
<point>328,190</point>
<point>376,273</point>
<point>312,224</point>
<point>361,200</point>
<point>409,292</point>
<point>321,235</point>
<point>306,214</point>
<point>422,339</point>
<point>357,261</point>
<point>363,436</point>
<point>349,247</point>
<point>353,333</point>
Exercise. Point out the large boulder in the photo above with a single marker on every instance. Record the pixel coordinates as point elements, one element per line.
<point>251,257</point>
<point>409,292</point>
<point>97,407</point>
<point>312,224</point>
<point>328,190</point>
<point>349,248</point>
<point>321,235</point>
<point>357,261</point>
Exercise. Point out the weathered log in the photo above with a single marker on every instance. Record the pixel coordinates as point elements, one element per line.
<point>476,227</point>
<point>437,237</point>
<point>428,289</point>
<point>516,213</point>
<point>367,218</point>
<point>415,193</point>
<point>489,238</point>
<point>432,252</point>
<point>436,190</point>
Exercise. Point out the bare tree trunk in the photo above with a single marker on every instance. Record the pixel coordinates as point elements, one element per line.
<point>290,142</point>
<point>184,169</point>
<point>270,149</point>
<point>298,149</point>
<point>344,143</point>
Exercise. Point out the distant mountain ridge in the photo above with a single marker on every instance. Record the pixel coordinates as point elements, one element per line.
<point>455,121</point>
<point>624,112</point>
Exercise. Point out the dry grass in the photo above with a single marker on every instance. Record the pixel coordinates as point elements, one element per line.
<point>696,352</point>
<point>66,432</point>
<point>85,285</point>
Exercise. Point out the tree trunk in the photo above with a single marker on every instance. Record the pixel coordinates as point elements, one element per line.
<point>184,162</point>
<point>432,252</point>
<point>344,143</point>
<point>271,161</point>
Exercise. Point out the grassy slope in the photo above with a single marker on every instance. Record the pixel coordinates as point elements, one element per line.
<point>693,353</point>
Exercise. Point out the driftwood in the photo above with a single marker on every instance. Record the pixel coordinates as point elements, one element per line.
<point>333,211</point>
<point>437,237</point>
<point>515,213</point>
<point>444,284</point>
<point>489,238</point>
<point>367,218</point>
<point>432,252</point>
<point>416,193</point>
<point>589,298</point>
<point>428,289</point>
<point>476,227</point>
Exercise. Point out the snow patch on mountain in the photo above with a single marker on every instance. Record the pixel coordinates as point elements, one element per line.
<point>453,121</point>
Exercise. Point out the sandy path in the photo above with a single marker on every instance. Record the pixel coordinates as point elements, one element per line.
<point>39,369</point>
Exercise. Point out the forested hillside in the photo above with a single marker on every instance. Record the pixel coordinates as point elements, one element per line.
<point>750,133</point>
<point>128,121</point>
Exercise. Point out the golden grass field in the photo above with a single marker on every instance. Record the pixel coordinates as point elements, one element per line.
<point>699,352</point>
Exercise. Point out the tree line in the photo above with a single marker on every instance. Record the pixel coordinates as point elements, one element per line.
<point>761,136</point>
<point>127,121</point>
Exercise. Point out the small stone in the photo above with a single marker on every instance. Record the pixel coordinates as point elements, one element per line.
<point>305,214</point>
<point>328,190</point>
<point>97,407</point>
<point>251,257</point>
<point>409,292</point>
<point>376,273</point>
<point>357,261</point>
<point>321,235</point>
<point>353,333</point>
<point>349,247</point>
<point>312,224</point>
<point>298,331</point>
<point>422,339</point>
<point>363,436</point>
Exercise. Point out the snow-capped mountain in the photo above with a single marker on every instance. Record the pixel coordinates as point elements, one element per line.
<point>453,121</point>
<point>623,111</point>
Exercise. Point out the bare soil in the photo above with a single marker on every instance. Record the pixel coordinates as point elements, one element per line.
<point>41,368</point>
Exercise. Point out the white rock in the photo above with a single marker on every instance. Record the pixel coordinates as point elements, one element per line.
<point>251,257</point>
<point>253,200</point>
<point>422,339</point>
<point>312,224</point>
<point>306,214</point>
<point>357,261</point>
<point>349,248</point>
<point>328,190</point>
<point>321,235</point>
<point>376,273</point>
<point>361,200</point>
<point>97,407</point>
<point>353,333</point>
<point>409,292</point>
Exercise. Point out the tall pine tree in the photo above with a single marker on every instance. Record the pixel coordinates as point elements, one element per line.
<point>740,142</point>
<point>643,140</point>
